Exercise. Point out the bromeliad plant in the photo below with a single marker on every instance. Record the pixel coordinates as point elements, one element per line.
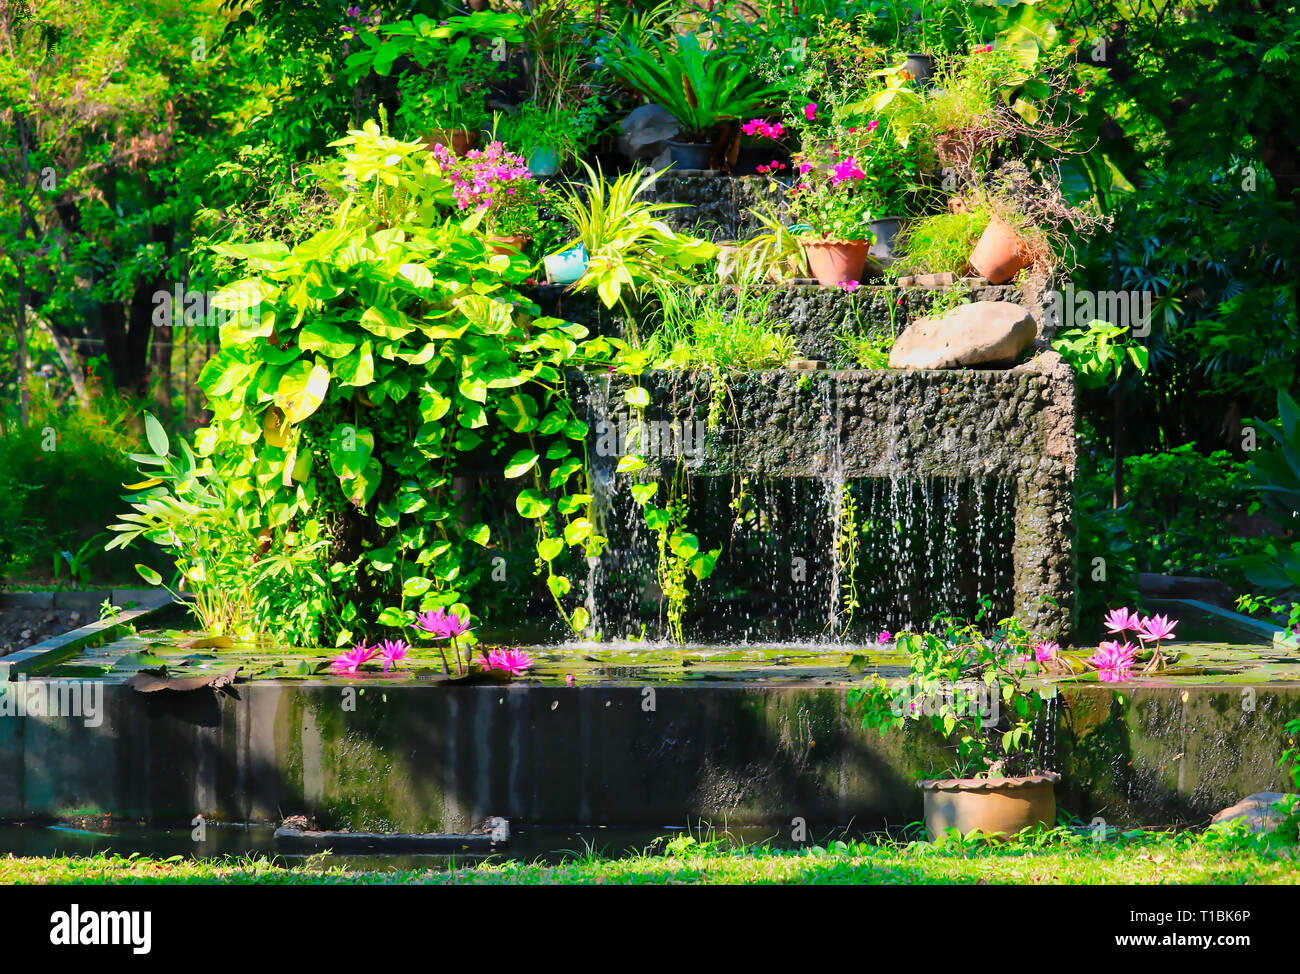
<point>970,688</point>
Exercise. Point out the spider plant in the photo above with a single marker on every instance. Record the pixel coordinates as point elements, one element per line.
<point>628,243</point>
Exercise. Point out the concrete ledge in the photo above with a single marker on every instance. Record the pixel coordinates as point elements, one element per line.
<point>65,645</point>
<point>75,599</point>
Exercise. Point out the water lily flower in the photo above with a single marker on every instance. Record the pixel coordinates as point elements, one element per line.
<point>1157,627</point>
<point>1045,652</point>
<point>514,661</point>
<point>442,624</point>
<point>351,661</point>
<point>885,636</point>
<point>1121,620</point>
<point>1113,661</point>
<point>393,652</point>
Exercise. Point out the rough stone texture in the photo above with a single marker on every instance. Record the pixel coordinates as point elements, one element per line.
<point>717,206</point>
<point>982,333</point>
<point>1016,426</point>
<point>422,758</point>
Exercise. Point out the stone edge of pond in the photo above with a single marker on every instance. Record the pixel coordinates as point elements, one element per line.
<point>54,650</point>
<point>1279,636</point>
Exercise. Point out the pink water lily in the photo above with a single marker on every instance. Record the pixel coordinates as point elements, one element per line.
<point>885,636</point>
<point>1121,620</point>
<point>442,624</point>
<point>1157,628</point>
<point>1113,661</point>
<point>514,661</point>
<point>1045,652</point>
<point>348,663</point>
<point>393,651</point>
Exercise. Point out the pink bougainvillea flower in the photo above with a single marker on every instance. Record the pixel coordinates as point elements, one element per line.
<point>872,125</point>
<point>1113,661</point>
<point>850,285</point>
<point>1121,620</point>
<point>1045,652</point>
<point>514,661</point>
<point>442,624</point>
<point>805,168</point>
<point>846,169</point>
<point>810,110</point>
<point>350,662</point>
<point>393,651</point>
<point>758,126</point>
<point>1158,628</point>
<point>885,636</point>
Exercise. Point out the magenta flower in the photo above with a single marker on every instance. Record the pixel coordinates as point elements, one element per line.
<point>350,662</point>
<point>757,126</point>
<point>514,661</point>
<point>442,624</point>
<point>393,652</point>
<point>1113,661</point>
<point>846,169</point>
<point>810,110</point>
<point>885,636</point>
<point>849,285</point>
<point>1121,620</point>
<point>1156,627</point>
<point>1045,652</point>
<point>872,125</point>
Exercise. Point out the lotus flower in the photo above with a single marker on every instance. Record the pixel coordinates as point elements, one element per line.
<point>1157,627</point>
<point>884,637</point>
<point>514,661</point>
<point>393,652</point>
<point>348,663</point>
<point>442,624</point>
<point>1121,620</point>
<point>1113,661</point>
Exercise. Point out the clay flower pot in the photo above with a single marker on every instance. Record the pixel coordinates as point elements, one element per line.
<point>1000,254</point>
<point>511,245</point>
<point>995,806</point>
<point>835,262</point>
<point>459,141</point>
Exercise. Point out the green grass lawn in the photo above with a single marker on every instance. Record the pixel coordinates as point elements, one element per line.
<point>1056,858</point>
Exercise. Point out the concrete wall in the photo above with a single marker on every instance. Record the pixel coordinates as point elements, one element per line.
<point>422,758</point>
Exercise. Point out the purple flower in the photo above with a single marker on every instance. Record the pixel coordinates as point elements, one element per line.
<point>442,624</point>
<point>393,652</point>
<point>514,661</point>
<point>350,662</point>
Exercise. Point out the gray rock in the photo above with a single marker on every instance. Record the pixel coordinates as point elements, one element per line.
<point>646,131</point>
<point>1259,811</point>
<point>988,333</point>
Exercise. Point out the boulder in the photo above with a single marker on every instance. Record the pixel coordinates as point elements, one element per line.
<point>988,333</point>
<point>646,131</point>
<point>1259,811</point>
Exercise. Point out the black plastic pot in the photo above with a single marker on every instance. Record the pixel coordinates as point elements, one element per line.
<point>690,155</point>
<point>920,67</point>
<point>886,231</point>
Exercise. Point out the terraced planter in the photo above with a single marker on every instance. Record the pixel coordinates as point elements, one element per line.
<point>993,806</point>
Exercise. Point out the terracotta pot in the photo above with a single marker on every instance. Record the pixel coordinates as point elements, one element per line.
<point>459,141</point>
<point>1000,254</point>
<point>835,262</point>
<point>955,147</point>
<point>994,806</point>
<point>511,245</point>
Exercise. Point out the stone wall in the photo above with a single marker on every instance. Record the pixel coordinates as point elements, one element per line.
<point>1014,425</point>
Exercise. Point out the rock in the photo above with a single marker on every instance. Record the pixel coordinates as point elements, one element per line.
<point>989,333</point>
<point>1258,811</point>
<point>646,131</point>
<point>945,279</point>
<point>805,364</point>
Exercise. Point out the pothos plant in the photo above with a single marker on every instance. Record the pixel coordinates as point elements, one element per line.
<point>970,688</point>
<point>358,369</point>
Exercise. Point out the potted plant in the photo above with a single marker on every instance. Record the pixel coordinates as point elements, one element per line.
<point>1030,222</point>
<point>441,112</point>
<point>975,693</point>
<point>496,184</point>
<point>701,88</point>
<point>547,135</point>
